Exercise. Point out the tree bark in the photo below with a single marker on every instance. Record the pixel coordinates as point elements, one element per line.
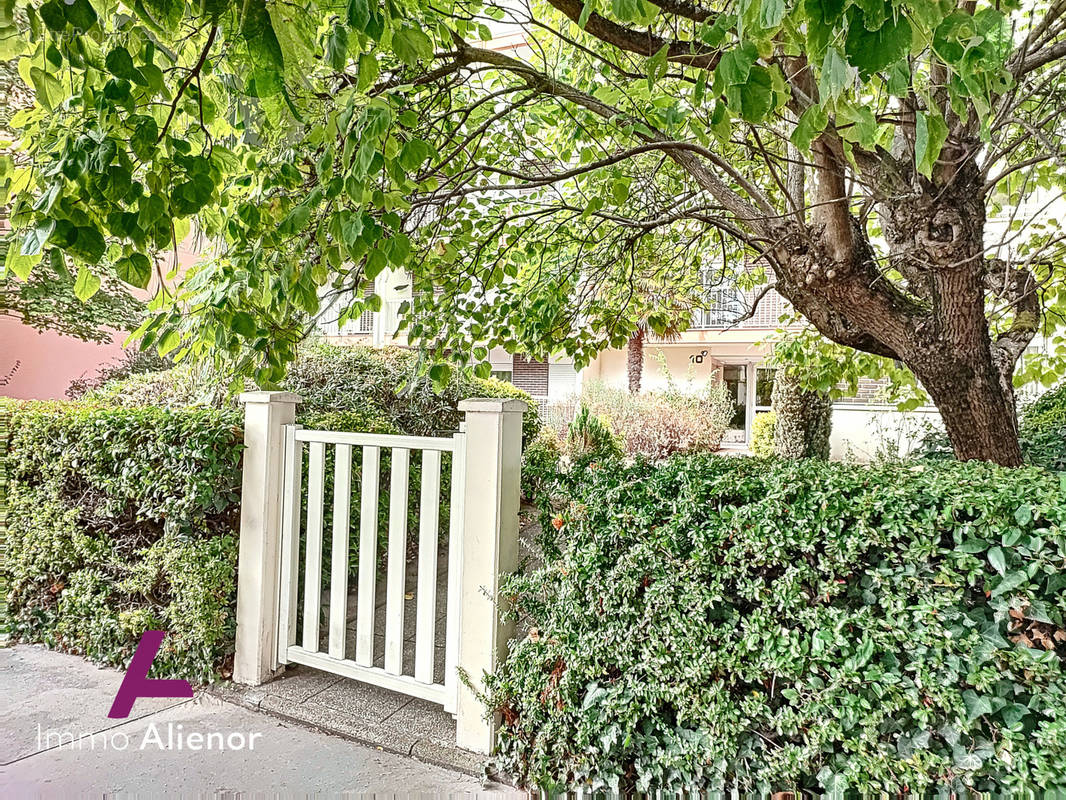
<point>979,418</point>
<point>635,360</point>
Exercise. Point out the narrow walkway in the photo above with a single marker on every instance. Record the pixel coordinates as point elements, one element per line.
<point>57,741</point>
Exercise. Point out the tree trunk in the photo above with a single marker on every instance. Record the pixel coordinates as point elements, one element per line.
<point>936,321</point>
<point>979,420</point>
<point>635,360</point>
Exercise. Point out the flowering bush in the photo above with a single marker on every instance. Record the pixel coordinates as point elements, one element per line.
<point>659,424</point>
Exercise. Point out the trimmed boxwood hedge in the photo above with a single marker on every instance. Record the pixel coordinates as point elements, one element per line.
<point>752,624</point>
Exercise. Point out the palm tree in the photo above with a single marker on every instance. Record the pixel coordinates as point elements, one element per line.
<point>678,310</point>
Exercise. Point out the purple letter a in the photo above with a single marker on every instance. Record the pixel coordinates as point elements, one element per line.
<point>137,684</point>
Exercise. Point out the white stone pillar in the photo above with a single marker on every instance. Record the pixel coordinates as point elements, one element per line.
<point>489,551</point>
<point>265,415</point>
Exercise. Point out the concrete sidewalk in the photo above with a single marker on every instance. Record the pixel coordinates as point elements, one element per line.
<point>56,740</point>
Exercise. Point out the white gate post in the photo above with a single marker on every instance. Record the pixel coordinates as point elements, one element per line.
<point>489,550</point>
<point>265,414</point>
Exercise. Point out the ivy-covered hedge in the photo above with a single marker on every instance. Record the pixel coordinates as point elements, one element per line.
<point>119,521</point>
<point>778,625</point>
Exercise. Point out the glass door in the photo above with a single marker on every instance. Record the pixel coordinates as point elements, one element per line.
<point>736,382</point>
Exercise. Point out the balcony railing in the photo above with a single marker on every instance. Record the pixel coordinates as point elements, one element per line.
<point>726,308</point>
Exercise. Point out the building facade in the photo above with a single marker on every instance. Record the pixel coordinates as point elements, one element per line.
<point>726,341</point>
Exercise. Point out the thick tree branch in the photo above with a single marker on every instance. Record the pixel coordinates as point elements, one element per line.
<point>682,8</point>
<point>644,43</point>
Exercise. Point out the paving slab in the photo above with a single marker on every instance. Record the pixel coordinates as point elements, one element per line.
<point>206,746</point>
<point>43,690</point>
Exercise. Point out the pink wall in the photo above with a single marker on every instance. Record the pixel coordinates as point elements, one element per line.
<point>49,362</point>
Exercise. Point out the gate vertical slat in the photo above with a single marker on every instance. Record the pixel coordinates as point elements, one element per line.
<point>368,556</point>
<point>426,593</point>
<point>455,555</point>
<point>313,560</point>
<point>290,543</point>
<point>397,556</point>
<point>338,584</point>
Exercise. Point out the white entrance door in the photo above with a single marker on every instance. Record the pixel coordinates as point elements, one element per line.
<point>749,386</point>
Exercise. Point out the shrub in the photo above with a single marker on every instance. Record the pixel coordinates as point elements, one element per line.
<point>540,464</point>
<point>132,362</point>
<point>721,623</point>
<point>803,419</point>
<point>381,383</point>
<point>119,521</point>
<point>762,434</point>
<point>590,439</point>
<point>662,423</point>
<point>1043,430</point>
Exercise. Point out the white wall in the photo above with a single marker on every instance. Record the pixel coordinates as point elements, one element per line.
<point>861,431</point>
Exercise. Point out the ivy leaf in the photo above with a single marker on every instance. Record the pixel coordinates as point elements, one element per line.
<point>86,284</point>
<point>1024,514</point>
<point>998,560</point>
<point>1010,582</point>
<point>976,705</point>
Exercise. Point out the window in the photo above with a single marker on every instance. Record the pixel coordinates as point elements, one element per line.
<point>764,387</point>
<point>725,305</point>
<point>503,374</point>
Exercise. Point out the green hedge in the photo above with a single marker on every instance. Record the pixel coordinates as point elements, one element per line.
<point>767,625</point>
<point>120,521</point>
<point>379,383</point>
<point>1043,430</point>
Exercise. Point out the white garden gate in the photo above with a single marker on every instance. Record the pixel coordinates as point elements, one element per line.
<point>310,494</point>
<point>332,657</point>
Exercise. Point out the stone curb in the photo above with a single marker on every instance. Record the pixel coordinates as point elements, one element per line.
<point>362,731</point>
